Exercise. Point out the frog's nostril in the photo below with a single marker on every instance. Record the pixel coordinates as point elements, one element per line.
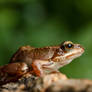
<point>79,46</point>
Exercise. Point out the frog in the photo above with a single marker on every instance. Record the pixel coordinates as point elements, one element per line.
<point>49,58</point>
<point>41,61</point>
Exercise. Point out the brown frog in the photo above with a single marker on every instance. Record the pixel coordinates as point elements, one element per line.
<point>41,61</point>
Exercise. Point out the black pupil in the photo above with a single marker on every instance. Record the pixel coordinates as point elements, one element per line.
<point>69,45</point>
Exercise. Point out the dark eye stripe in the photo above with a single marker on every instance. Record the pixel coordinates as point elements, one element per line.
<point>63,47</point>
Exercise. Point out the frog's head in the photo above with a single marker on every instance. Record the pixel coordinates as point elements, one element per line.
<point>67,52</point>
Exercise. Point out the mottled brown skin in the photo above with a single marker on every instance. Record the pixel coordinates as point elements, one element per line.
<point>39,61</point>
<point>23,55</point>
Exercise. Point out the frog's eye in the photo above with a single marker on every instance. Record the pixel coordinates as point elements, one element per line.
<point>69,45</point>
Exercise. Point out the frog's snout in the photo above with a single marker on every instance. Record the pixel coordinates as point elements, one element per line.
<point>81,47</point>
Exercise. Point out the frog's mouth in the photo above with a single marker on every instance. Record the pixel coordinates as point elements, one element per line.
<point>68,57</point>
<point>74,53</point>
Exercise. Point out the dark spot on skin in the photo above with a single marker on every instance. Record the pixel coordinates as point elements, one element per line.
<point>62,47</point>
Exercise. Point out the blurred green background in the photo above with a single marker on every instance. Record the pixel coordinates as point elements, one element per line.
<point>47,22</point>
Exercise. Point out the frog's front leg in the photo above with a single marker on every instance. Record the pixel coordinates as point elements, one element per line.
<point>50,67</point>
<point>37,68</point>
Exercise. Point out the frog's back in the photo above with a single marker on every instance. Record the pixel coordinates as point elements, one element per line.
<point>28,54</point>
<point>20,54</point>
<point>43,53</point>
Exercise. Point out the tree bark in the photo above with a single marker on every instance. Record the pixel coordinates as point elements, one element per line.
<point>54,82</point>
